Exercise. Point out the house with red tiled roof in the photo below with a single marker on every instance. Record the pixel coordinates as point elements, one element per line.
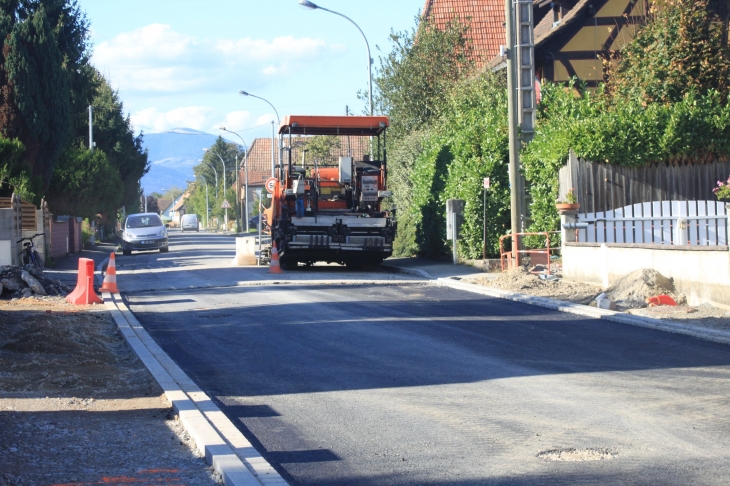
<point>572,37</point>
<point>259,158</point>
<point>485,19</point>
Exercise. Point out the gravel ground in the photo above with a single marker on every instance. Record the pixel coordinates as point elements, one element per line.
<point>77,407</point>
<point>629,291</point>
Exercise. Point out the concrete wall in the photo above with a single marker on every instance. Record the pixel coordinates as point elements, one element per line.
<point>7,236</point>
<point>10,233</point>
<point>701,273</point>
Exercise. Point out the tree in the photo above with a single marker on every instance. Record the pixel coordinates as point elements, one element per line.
<point>113,134</point>
<point>212,165</point>
<point>84,184</point>
<point>152,206</point>
<point>679,49</point>
<point>44,55</point>
<point>11,166</point>
<point>414,79</point>
<point>413,84</point>
<point>172,193</point>
<point>319,148</point>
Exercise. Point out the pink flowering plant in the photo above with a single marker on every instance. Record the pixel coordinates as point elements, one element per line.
<point>722,191</point>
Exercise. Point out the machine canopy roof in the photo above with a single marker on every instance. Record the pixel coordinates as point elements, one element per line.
<point>334,125</point>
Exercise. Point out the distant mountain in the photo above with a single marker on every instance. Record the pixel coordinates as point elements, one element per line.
<point>172,156</point>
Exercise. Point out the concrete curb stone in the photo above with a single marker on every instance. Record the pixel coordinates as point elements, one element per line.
<point>215,436</point>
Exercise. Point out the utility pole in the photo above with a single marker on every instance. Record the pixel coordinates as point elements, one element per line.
<point>521,103</point>
<point>91,128</point>
<point>514,143</point>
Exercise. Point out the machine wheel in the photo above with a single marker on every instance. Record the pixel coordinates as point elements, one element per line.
<point>288,264</point>
<point>164,249</point>
<point>126,252</point>
<point>367,265</point>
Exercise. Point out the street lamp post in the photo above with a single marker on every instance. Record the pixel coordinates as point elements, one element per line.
<point>216,177</point>
<point>224,182</point>
<point>245,167</point>
<point>207,206</point>
<point>273,173</point>
<point>312,6</point>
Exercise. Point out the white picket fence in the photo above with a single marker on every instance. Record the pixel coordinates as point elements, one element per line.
<point>703,223</point>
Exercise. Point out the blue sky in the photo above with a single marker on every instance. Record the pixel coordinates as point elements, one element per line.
<point>181,63</point>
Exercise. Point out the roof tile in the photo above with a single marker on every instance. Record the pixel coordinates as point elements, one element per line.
<point>485,19</point>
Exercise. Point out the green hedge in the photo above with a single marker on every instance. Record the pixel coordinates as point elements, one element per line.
<point>469,142</point>
<point>623,132</point>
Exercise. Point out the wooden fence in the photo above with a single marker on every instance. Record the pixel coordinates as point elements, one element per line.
<point>602,187</point>
<point>30,214</point>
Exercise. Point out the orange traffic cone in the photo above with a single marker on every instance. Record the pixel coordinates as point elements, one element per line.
<point>110,279</point>
<point>274,266</point>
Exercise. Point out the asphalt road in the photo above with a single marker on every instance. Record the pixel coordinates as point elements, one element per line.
<point>349,378</point>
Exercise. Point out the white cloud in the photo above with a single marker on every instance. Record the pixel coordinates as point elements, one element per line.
<point>234,120</point>
<point>267,118</point>
<point>195,117</point>
<point>200,118</point>
<point>157,59</point>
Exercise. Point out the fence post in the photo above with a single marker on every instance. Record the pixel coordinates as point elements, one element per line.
<point>568,218</point>
<point>15,204</point>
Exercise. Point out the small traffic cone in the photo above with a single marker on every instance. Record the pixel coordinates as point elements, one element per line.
<point>274,266</point>
<point>110,278</point>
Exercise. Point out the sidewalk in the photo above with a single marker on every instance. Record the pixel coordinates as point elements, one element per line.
<point>66,269</point>
<point>434,269</point>
<point>458,277</point>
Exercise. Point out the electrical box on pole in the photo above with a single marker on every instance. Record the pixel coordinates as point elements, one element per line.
<point>454,220</point>
<point>454,208</point>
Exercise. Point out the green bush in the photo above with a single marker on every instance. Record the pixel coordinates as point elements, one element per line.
<point>475,127</point>
<point>469,142</point>
<point>622,132</point>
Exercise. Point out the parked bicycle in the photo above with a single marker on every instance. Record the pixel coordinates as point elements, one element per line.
<point>29,254</point>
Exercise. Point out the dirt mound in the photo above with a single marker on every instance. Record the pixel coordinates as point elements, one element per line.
<point>520,280</point>
<point>631,291</point>
<point>27,281</point>
<point>49,346</point>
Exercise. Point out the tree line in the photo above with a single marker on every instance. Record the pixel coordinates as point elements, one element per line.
<point>46,86</point>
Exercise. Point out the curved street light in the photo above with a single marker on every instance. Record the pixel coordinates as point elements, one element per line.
<point>216,177</point>
<point>224,180</point>
<point>273,133</point>
<point>245,165</point>
<point>312,6</point>
<point>207,206</point>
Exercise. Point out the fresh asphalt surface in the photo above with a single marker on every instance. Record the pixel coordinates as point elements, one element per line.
<point>340,377</point>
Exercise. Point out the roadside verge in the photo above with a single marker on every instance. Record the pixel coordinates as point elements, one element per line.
<point>578,309</point>
<point>224,446</point>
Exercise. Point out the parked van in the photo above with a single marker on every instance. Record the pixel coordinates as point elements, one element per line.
<point>189,222</point>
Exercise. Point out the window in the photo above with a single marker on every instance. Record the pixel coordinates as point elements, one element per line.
<point>146,221</point>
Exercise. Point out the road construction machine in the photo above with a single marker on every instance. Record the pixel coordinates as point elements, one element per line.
<point>329,209</point>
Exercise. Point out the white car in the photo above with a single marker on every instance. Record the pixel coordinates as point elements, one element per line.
<point>144,231</point>
<point>189,222</point>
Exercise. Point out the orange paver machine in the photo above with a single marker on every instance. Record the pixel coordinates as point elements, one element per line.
<point>330,210</point>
